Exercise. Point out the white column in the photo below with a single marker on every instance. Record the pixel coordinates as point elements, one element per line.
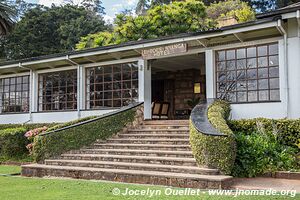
<point>34,82</point>
<point>293,90</point>
<point>210,74</point>
<point>145,87</point>
<point>82,88</point>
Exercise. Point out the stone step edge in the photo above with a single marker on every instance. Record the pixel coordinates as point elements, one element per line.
<point>193,160</point>
<point>140,151</point>
<point>135,165</point>
<point>148,139</point>
<point>212,178</point>
<point>152,135</point>
<point>157,130</point>
<point>144,145</point>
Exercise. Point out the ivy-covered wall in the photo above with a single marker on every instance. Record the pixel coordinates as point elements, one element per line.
<point>217,152</point>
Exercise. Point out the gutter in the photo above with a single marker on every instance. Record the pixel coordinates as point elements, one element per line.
<point>78,85</point>
<point>30,91</point>
<point>286,74</point>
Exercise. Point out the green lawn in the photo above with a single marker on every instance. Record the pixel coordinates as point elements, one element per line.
<point>15,188</point>
<point>5,169</point>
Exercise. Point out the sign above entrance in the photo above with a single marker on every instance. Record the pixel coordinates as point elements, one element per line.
<point>164,51</point>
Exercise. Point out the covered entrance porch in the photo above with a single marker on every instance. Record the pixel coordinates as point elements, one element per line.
<point>177,84</point>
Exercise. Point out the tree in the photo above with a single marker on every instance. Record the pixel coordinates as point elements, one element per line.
<point>161,20</point>
<point>45,31</point>
<point>7,18</point>
<point>237,9</point>
<point>91,5</point>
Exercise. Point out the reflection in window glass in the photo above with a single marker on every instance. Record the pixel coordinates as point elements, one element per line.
<point>14,94</point>
<point>120,86</point>
<point>248,74</point>
<point>58,91</point>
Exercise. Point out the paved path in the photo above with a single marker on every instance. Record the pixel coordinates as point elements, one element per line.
<point>266,183</point>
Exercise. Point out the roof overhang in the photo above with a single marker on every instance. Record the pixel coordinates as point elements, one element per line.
<point>250,31</point>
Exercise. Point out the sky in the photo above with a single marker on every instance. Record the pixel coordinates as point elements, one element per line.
<point>112,7</point>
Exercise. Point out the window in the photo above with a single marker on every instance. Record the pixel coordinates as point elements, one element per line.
<point>249,74</point>
<point>58,91</point>
<point>14,94</point>
<point>112,86</point>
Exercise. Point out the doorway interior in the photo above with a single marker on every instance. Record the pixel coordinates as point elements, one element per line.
<point>180,82</point>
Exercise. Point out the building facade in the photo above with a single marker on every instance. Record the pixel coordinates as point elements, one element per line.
<point>255,65</point>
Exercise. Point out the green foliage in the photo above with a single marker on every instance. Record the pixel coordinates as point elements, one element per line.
<point>161,20</point>
<point>58,126</point>
<point>44,31</point>
<point>288,130</point>
<point>7,18</point>
<point>54,144</point>
<point>215,151</point>
<point>260,153</point>
<point>13,142</point>
<point>237,9</point>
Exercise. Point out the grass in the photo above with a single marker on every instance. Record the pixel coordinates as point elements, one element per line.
<point>5,169</point>
<point>19,188</point>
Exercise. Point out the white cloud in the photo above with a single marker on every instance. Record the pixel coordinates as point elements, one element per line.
<point>108,19</point>
<point>50,2</point>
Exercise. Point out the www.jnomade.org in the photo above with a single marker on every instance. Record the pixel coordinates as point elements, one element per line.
<point>197,192</point>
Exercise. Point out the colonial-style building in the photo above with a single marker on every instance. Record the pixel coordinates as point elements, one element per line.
<point>254,65</point>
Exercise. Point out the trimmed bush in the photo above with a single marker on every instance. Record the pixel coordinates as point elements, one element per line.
<point>13,143</point>
<point>54,144</point>
<point>259,153</point>
<point>217,152</point>
<point>288,130</point>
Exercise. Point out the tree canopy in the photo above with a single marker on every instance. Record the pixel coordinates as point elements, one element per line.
<point>45,30</point>
<point>167,19</point>
<point>7,18</point>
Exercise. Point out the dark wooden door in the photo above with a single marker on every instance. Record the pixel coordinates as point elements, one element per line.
<point>157,90</point>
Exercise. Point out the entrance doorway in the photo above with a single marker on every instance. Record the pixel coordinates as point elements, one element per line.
<point>179,82</point>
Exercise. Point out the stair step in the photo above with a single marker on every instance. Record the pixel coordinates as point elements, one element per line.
<point>148,136</point>
<point>136,159</point>
<point>141,146</point>
<point>139,152</point>
<point>159,130</point>
<point>130,176</point>
<point>148,141</point>
<point>165,126</point>
<point>166,122</point>
<point>133,166</point>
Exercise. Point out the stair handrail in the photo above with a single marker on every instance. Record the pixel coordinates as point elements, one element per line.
<point>121,110</point>
<point>199,118</point>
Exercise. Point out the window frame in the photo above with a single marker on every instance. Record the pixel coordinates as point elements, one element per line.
<point>41,104</point>
<point>111,83</point>
<point>246,58</point>
<point>16,90</point>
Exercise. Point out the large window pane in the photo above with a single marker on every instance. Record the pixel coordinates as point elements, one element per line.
<point>58,91</point>
<point>14,94</point>
<point>249,74</point>
<point>120,83</point>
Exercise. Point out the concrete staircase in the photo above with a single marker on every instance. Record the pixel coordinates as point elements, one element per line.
<point>157,152</point>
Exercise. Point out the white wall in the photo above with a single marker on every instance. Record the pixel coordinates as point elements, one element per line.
<point>49,117</point>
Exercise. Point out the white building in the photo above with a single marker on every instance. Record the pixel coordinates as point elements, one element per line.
<point>255,65</point>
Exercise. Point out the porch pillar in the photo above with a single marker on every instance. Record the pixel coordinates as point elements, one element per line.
<point>145,87</point>
<point>34,82</point>
<point>80,89</point>
<point>210,74</point>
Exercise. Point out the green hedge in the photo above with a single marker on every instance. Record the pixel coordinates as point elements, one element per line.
<point>288,130</point>
<point>13,143</point>
<point>26,126</point>
<point>51,145</point>
<point>215,151</point>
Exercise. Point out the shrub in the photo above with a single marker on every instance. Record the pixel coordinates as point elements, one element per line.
<point>259,153</point>
<point>13,142</point>
<point>54,144</point>
<point>288,129</point>
<point>215,151</point>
